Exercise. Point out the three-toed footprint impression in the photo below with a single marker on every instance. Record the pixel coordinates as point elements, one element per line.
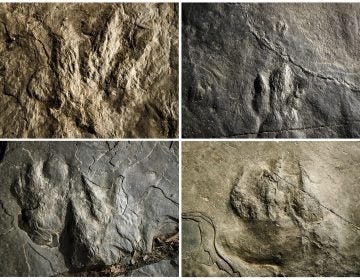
<point>75,206</point>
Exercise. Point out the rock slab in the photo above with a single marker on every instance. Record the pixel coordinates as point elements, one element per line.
<point>270,209</point>
<point>271,70</point>
<point>88,70</point>
<point>70,206</point>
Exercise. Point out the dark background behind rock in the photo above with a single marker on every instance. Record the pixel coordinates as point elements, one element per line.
<point>271,70</point>
<point>69,207</point>
<point>88,70</point>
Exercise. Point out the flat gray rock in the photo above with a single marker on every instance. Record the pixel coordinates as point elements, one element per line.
<point>70,206</point>
<point>271,209</point>
<point>160,269</point>
<point>271,70</point>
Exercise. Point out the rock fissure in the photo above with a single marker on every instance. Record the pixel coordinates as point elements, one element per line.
<point>322,205</point>
<point>264,42</point>
<point>299,128</point>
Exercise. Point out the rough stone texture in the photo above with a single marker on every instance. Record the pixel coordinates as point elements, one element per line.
<point>88,70</point>
<point>162,268</point>
<point>271,70</point>
<point>271,209</point>
<point>73,206</point>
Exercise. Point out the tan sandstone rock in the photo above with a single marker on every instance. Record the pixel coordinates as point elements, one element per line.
<point>88,70</point>
<point>271,209</point>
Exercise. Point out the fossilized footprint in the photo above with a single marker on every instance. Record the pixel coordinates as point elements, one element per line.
<point>60,209</point>
<point>272,200</point>
<point>276,99</point>
<point>74,85</point>
<point>90,68</point>
<point>41,191</point>
<point>272,194</point>
<point>91,225</point>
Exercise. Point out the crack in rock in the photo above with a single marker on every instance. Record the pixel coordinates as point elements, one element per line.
<point>252,73</point>
<point>77,218</point>
<point>270,208</point>
<point>266,43</point>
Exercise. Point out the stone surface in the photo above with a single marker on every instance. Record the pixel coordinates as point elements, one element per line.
<point>88,70</point>
<point>162,268</point>
<point>271,70</point>
<point>271,209</point>
<point>73,206</point>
